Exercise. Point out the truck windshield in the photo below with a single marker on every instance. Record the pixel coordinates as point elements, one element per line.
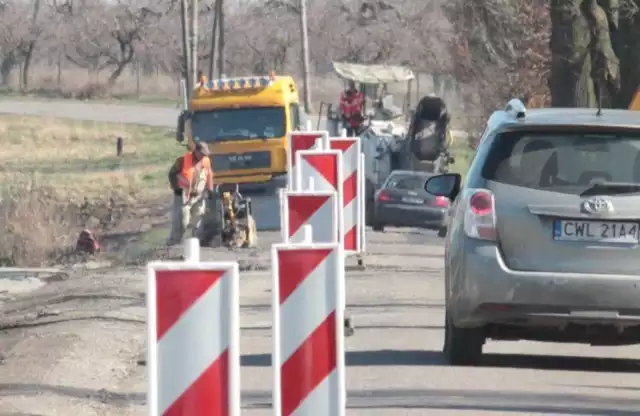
<point>238,124</point>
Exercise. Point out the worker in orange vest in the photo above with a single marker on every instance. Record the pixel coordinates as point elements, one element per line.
<point>351,109</point>
<point>191,180</point>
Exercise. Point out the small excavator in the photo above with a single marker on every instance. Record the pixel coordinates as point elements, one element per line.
<point>230,216</point>
<point>429,139</point>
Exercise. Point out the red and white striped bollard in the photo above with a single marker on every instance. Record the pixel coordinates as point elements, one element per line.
<point>302,140</point>
<point>193,347</point>
<point>316,208</point>
<point>308,354</point>
<point>352,192</point>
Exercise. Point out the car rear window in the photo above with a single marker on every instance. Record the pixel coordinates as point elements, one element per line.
<point>563,161</point>
<point>406,182</point>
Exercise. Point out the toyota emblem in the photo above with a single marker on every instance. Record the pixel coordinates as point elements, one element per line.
<point>597,206</point>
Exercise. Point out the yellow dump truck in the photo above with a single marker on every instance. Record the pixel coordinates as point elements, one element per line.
<point>245,122</point>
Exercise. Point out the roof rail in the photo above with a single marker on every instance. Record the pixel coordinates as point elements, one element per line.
<point>516,108</point>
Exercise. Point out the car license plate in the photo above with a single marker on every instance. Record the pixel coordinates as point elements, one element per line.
<point>596,231</point>
<point>410,200</point>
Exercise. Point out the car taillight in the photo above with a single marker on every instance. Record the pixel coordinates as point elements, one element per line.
<point>383,196</point>
<point>480,218</point>
<point>441,202</point>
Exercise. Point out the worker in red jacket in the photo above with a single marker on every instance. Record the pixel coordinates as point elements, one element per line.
<point>351,109</point>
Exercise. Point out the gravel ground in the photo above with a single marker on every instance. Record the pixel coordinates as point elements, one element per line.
<point>78,345</point>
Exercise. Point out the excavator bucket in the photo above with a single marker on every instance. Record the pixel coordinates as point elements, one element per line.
<point>239,227</point>
<point>429,134</point>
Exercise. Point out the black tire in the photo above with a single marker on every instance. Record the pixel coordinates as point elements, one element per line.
<point>442,232</point>
<point>369,212</point>
<point>462,346</point>
<point>378,228</point>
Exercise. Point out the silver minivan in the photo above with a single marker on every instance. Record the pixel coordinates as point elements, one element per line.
<point>543,241</point>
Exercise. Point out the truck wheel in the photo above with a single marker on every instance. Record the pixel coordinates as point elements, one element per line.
<point>211,226</point>
<point>462,346</point>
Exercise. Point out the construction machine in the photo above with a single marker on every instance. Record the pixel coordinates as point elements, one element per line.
<point>245,122</point>
<point>230,216</point>
<point>373,81</point>
<point>392,137</point>
<point>429,137</point>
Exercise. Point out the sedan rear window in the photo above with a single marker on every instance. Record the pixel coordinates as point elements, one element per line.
<point>563,161</point>
<point>407,182</point>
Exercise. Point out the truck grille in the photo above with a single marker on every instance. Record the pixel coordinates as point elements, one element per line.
<point>237,161</point>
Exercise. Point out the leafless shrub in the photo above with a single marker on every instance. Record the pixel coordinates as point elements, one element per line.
<point>37,227</point>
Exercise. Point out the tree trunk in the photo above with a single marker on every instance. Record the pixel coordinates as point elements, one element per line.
<point>126,57</point>
<point>186,56</point>
<point>570,84</point>
<point>221,42</point>
<point>28,56</point>
<point>628,50</point>
<point>7,65</point>
<point>213,51</point>
<point>31,46</point>
<point>594,52</point>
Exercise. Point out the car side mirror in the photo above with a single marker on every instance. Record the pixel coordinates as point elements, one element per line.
<point>447,185</point>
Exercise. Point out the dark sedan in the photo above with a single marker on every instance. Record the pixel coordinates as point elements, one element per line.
<point>403,202</point>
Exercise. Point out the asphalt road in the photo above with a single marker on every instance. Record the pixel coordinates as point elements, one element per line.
<point>90,111</point>
<point>79,351</point>
<point>80,354</point>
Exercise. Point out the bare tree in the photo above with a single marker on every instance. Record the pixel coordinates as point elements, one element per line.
<point>106,36</point>
<point>489,49</point>
<point>595,46</point>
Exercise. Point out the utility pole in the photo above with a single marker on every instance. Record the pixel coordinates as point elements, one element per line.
<point>214,41</point>
<point>194,42</point>
<point>305,55</point>
<point>186,61</point>
<point>220,14</point>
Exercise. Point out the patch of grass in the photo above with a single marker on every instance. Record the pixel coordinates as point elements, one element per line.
<point>463,155</point>
<point>78,159</point>
<point>59,176</point>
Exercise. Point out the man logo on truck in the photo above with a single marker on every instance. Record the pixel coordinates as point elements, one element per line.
<point>240,158</point>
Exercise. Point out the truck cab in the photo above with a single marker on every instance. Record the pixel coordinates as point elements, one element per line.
<point>245,122</point>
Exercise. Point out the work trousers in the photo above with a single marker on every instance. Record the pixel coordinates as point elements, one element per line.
<point>186,213</point>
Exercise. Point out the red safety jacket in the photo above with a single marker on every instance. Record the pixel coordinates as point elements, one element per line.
<point>351,106</point>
